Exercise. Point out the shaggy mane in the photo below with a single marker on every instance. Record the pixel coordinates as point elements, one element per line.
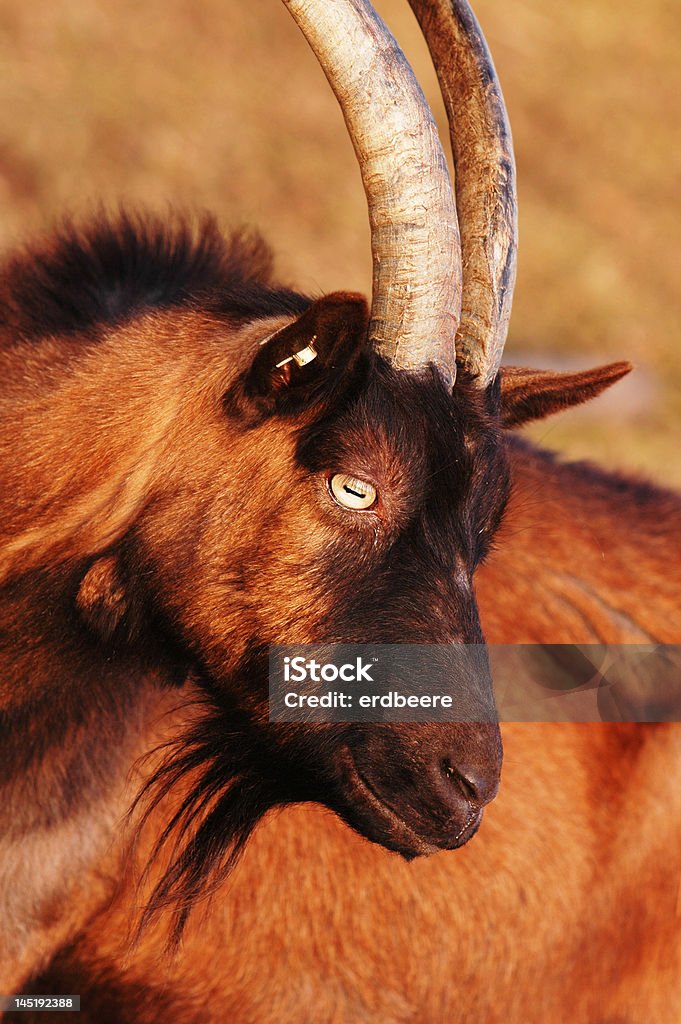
<point>112,268</point>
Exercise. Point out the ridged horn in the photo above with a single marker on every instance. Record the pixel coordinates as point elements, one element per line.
<point>416,297</point>
<point>484,179</point>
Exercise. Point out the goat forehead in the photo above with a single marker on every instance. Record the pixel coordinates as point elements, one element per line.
<point>427,451</point>
<point>401,429</point>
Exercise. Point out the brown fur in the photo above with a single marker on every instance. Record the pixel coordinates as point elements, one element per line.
<point>565,905</point>
<point>129,574</point>
<point>165,483</point>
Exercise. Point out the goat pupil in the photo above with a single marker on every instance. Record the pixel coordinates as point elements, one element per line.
<point>357,494</point>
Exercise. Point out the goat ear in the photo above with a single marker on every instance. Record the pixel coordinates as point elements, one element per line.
<point>533,394</point>
<point>307,361</point>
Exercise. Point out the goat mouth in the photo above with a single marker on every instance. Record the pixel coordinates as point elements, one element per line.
<point>378,821</point>
<point>468,830</point>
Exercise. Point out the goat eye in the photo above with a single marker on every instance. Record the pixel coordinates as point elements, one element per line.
<point>350,492</point>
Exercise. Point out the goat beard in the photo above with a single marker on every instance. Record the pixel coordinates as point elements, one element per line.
<point>229,785</point>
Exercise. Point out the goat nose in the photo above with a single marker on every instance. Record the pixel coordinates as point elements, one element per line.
<point>473,785</point>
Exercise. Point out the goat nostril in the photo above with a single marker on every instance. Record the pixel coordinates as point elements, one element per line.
<point>468,788</point>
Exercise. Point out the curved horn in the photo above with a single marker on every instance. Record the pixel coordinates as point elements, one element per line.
<point>485,178</point>
<point>414,233</point>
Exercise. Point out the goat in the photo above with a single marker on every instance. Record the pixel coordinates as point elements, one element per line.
<point>566,904</point>
<point>149,543</point>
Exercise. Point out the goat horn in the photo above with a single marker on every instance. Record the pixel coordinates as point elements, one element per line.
<point>484,179</point>
<point>415,242</point>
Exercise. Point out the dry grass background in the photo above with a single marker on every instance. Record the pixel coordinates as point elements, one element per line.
<point>217,104</point>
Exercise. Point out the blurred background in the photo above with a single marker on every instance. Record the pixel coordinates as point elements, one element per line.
<point>218,104</point>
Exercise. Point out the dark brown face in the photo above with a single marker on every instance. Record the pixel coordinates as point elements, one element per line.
<point>348,509</point>
<point>401,573</point>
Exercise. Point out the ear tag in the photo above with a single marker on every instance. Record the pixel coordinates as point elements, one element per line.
<point>303,357</point>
